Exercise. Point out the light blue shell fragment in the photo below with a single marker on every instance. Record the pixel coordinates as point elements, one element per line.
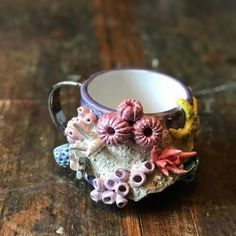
<point>61,155</point>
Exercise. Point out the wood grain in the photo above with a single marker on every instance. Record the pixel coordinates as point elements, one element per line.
<point>44,42</point>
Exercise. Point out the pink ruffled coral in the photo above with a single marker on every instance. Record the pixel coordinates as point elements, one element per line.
<point>170,160</point>
<point>112,129</point>
<point>130,110</point>
<point>147,131</point>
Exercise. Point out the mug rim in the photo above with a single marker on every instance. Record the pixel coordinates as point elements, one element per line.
<point>89,100</point>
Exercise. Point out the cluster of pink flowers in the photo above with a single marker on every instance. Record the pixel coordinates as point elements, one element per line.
<point>129,122</point>
<point>116,188</point>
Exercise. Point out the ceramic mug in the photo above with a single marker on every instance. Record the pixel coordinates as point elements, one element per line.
<point>103,91</point>
<point>133,134</point>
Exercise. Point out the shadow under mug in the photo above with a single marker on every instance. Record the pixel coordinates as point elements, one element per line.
<point>103,91</point>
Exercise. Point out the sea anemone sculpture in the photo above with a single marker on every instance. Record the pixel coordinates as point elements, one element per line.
<point>130,110</point>
<point>112,129</point>
<point>147,131</point>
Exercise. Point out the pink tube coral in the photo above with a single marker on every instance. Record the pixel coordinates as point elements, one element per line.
<point>96,196</point>
<point>122,188</point>
<point>82,111</point>
<point>137,179</point>
<point>111,182</point>
<point>147,131</point>
<point>130,110</point>
<point>98,184</point>
<point>90,119</point>
<point>148,167</point>
<point>112,129</point>
<point>108,197</point>
<point>72,134</point>
<point>122,174</point>
<point>121,201</point>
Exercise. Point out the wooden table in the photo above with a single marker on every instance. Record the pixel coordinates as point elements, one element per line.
<point>43,42</point>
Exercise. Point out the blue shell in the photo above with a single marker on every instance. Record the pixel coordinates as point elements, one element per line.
<point>61,155</point>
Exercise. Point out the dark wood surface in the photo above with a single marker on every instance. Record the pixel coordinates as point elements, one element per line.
<point>43,42</point>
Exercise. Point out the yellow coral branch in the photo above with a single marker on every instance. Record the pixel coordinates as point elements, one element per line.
<point>190,114</point>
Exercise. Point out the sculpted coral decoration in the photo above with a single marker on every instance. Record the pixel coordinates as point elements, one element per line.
<point>130,110</point>
<point>170,160</point>
<point>147,131</point>
<point>112,129</point>
<point>191,125</point>
<point>82,126</point>
<point>116,187</point>
<point>117,153</point>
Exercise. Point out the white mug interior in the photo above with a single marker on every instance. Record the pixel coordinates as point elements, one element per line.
<point>157,92</point>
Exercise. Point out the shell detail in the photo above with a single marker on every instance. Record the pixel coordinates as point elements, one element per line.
<point>147,131</point>
<point>112,129</point>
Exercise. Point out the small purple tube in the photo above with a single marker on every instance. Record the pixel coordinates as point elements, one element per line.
<point>147,167</point>
<point>122,189</point>
<point>96,196</point>
<point>108,197</point>
<point>137,179</point>
<point>111,182</point>
<point>122,174</point>
<point>98,184</point>
<point>121,201</point>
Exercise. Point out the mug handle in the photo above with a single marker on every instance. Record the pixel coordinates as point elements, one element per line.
<point>54,104</point>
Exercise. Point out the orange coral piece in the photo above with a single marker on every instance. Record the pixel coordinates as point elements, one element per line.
<point>170,160</point>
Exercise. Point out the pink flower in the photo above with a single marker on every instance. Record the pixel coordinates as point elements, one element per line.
<point>147,131</point>
<point>112,129</point>
<point>130,110</point>
<point>170,160</point>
